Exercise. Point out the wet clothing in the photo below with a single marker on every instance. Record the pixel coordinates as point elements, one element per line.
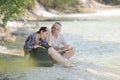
<point>39,55</point>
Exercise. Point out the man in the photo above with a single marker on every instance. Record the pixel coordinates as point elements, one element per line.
<point>57,39</point>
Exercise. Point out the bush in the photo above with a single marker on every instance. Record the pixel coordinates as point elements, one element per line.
<point>59,4</point>
<point>12,9</point>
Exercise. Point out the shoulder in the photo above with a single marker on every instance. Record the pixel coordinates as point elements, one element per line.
<point>31,36</point>
<point>61,35</point>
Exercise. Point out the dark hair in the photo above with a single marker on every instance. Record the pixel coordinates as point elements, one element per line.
<point>44,29</point>
<point>54,25</point>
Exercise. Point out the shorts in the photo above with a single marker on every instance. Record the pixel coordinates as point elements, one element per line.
<point>63,52</point>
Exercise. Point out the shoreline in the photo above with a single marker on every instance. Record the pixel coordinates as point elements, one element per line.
<point>67,17</point>
<point>82,71</point>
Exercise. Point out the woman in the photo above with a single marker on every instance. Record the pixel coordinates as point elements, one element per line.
<point>38,39</point>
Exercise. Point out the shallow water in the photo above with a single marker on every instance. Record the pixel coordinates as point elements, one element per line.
<point>96,39</point>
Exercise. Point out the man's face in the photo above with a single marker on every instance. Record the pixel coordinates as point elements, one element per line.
<point>56,28</point>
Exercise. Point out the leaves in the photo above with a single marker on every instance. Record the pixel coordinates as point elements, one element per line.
<point>13,9</point>
<point>58,4</point>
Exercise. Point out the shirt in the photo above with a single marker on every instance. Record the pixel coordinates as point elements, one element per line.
<point>57,42</point>
<point>31,42</point>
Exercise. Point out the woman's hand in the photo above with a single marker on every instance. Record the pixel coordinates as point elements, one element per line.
<point>67,47</point>
<point>38,46</point>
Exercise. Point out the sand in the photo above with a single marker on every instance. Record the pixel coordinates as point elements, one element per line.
<point>82,71</point>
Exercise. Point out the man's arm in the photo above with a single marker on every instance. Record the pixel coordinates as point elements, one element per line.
<point>58,48</point>
<point>66,47</point>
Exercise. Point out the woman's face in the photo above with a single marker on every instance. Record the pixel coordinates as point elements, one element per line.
<point>45,34</point>
<point>56,28</point>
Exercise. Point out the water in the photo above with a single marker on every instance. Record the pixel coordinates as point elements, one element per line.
<point>96,39</point>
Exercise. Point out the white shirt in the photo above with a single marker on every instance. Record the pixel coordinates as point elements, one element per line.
<point>57,42</point>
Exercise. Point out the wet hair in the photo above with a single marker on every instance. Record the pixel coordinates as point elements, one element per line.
<point>44,29</point>
<point>54,25</point>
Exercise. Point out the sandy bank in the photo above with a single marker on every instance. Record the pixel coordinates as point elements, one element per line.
<point>82,71</point>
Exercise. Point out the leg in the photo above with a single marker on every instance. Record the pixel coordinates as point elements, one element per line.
<point>69,53</point>
<point>57,57</point>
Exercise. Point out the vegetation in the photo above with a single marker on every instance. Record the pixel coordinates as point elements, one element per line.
<point>59,4</point>
<point>13,9</point>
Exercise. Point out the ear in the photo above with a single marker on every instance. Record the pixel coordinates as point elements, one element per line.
<point>41,31</point>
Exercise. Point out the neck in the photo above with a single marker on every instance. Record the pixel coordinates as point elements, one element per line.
<point>38,36</point>
<point>55,35</point>
<point>42,37</point>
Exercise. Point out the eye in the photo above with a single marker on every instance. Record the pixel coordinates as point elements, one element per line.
<point>56,29</point>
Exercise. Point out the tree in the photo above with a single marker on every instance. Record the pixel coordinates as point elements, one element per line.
<point>13,9</point>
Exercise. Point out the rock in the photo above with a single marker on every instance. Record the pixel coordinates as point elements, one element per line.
<point>3,77</point>
<point>8,36</point>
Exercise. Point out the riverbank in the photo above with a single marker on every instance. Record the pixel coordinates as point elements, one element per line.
<point>82,71</point>
<point>111,12</point>
<point>74,16</point>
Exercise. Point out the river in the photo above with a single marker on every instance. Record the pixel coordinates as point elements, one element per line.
<point>96,39</point>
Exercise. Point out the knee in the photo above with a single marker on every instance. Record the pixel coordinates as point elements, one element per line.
<point>73,51</point>
<point>51,50</point>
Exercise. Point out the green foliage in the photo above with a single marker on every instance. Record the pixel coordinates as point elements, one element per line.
<point>13,9</point>
<point>59,4</point>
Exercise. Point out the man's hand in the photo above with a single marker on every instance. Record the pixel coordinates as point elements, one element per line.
<point>67,47</point>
